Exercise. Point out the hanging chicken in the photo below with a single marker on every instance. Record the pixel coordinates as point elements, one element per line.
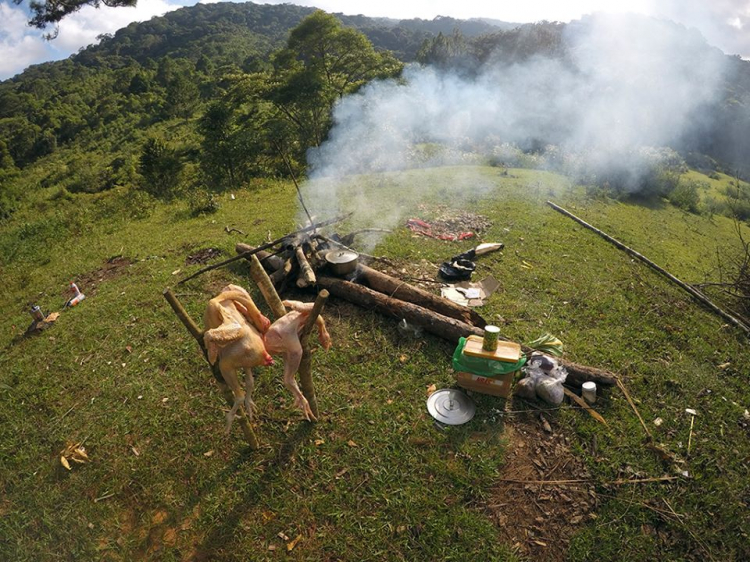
<point>234,328</point>
<point>282,338</point>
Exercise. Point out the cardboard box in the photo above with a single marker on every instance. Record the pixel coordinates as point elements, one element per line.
<point>496,386</point>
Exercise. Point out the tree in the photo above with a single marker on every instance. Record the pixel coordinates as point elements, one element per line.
<point>161,168</point>
<point>52,11</point>
<point>321,63</point>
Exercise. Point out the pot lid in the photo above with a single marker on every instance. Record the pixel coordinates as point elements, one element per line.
<point>450,406</point>
<point>341,256</point>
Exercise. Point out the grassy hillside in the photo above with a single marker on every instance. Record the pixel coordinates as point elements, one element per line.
<point>374,479</point>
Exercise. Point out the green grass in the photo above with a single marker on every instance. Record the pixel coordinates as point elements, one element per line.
<point>374,479</point>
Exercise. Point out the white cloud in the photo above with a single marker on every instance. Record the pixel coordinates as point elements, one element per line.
<point>18,49</point>
<point>82,28</point>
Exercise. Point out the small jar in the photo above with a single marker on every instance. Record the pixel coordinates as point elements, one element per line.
<point>589,392</point>
<point>491,335</point>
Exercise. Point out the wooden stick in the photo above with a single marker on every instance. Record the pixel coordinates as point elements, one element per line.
<point>305,367</point>
<point>265,246</point>
<point>690,437</point>
<point>197,333</point>
<point>691,290</point>
<point>261,278</point>
<point>578,400</point>
<point>632,405</point>
<point>619,482</point>
<point>306,274</point>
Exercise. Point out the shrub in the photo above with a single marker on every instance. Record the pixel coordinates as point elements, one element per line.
<point>686,196</point>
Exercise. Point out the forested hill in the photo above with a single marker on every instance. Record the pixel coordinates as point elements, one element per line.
<point>85,124</point>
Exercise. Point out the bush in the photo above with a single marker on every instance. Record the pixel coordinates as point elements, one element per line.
<point>202,202</point>
<point>161,169</point>
<point>686,196</point>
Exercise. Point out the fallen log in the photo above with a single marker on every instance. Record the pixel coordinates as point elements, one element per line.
<point>437,324</point>
<point>403,291</point>
<point>696,294</point>
<point>444,326</point>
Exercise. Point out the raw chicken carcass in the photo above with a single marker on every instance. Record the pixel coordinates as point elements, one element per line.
<point>282,338</point>
<point>234,328</point>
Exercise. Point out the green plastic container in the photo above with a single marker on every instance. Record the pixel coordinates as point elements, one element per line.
<point>481,366</point>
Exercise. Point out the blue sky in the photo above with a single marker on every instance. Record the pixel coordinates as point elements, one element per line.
<point>724,23</point>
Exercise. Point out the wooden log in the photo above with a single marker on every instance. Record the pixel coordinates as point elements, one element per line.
<point>305,367</point>
<point>401,290</point>
<point>696,294</point>
<point>306,275</point>
<point>442,325</point>
<point>197,333</point>
<point>270,295</point>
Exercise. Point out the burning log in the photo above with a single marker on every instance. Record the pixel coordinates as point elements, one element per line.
<point>306,275</point>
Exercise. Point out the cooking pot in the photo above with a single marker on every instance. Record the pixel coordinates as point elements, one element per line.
<point>342,262</point>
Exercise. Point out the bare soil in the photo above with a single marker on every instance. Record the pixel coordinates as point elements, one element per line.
<point>539,520</point>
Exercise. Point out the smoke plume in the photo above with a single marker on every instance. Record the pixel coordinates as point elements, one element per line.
<point>621,89</point>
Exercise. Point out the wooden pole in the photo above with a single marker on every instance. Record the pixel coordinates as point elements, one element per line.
<point>691,290</point>
<point>197,333</point>
<point>305,367</point>
<point>261,278</point>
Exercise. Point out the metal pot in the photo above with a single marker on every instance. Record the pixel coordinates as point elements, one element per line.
<point>342,262</point>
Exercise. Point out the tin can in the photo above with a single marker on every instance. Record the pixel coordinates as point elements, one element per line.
<point>36,313</point>
<point>491,334</point>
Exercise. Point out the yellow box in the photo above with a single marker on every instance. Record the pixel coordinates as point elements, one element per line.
<point>496,386</point>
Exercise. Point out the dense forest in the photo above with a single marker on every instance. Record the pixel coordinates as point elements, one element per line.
<point>209,96</point>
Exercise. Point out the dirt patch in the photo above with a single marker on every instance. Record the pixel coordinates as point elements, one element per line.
<point>203,256</point>
<point>538,520</point>
<point>113,267</point>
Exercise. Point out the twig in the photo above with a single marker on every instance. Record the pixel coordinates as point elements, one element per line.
<point>264,246</point>
<point>619,482</point>
<point>690,437</point>
<point>104,497</point>
<point>229,230</point>
<point>632,405</point>
<point>294,179</point>
<point>582,403</point>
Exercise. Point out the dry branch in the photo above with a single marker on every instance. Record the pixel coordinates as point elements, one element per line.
<point>691,290</point>
<point>305,367</point>
<point>266,246</point>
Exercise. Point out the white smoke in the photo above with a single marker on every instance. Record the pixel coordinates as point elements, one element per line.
<point>627,85</point>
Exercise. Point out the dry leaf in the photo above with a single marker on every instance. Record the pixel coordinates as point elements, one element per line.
<point>165,400</point>
<point>341,472</point>
<point>291,545</point>
<point>352,443</point>
<point>135,451</point>
<point>271,547</point>
<point>282,536</point>
<point>208,453</point>
<point>65,462</point>
<point>430,389</point>
<point>319,442</point>
<point>176,271</point>
<point>128,349</point>
<point>403,358</point>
